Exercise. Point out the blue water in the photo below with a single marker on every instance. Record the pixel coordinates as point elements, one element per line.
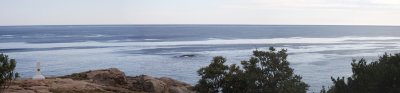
<point>315,52</point>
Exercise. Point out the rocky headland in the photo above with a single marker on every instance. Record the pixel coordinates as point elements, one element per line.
<point>109,80</point>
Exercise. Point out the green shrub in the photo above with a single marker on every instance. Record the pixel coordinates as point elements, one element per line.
<point>265,72</point>
<point>382,76</point>
<point>212,76</point>
<point>7,73</point>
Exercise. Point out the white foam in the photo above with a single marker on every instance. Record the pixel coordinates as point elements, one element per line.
<point>7,36</point>
<point>89,36</point>
<point>151,39</point>
<point>96,35</point>
<point>318,48</point>
<point>296,40</point>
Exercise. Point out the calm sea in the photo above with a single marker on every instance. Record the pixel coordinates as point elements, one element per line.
<point>315,52</point>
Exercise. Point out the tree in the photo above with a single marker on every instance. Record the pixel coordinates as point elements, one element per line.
<point>269,72</point>
<point>382,76</point>
<point>212,76</point>
<point>322,90</point>
<point>234,80</point>
<point>7,73</point>
<point>265,72</point>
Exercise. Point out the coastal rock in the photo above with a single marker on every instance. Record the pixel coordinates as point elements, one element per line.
<point>155,85</point>
<point>56,85</point>
<point>175,86</point>
<point>151,84</point>
<point>109,80</point>
<point>111,76</point>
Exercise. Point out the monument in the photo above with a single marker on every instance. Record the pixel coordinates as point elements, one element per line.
<point>38,75</point>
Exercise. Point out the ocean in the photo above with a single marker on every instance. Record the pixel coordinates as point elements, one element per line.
<point>316,53</point>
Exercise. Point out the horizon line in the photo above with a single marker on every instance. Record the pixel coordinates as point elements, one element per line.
<point>201,25</point>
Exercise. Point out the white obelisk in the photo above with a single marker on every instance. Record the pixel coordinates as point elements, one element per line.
<point>38,75</point>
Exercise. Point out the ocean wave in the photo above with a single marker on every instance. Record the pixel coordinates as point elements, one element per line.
<point>7,35</point>
<point>294,40</point>
<point>150,39</point>
<point>96,35</point>
<point>320,48</point>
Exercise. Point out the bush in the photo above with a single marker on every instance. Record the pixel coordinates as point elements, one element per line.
<point>382,76</point>
<point>7,73</point>
<point>212,76</point>
<point>265,72</point>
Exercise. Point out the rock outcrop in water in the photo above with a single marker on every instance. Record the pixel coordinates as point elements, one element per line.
<point>109,80</point>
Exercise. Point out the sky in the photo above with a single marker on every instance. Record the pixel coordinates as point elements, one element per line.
<point>262,12</point>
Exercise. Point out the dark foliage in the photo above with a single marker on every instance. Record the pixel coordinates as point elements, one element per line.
<point>265,72</point>
<point>212,76</point>
<point>382,76</point>
<point>7,73</point>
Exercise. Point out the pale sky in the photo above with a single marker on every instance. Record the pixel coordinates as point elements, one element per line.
<point>280,12</point>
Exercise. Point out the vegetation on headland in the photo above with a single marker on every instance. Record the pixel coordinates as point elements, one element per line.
<point>264,72</point>
<point>7,73</point>
<point>382,76</point>
<point>269,72</point>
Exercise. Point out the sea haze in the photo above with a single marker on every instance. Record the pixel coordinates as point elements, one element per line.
<point>178,51</point>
